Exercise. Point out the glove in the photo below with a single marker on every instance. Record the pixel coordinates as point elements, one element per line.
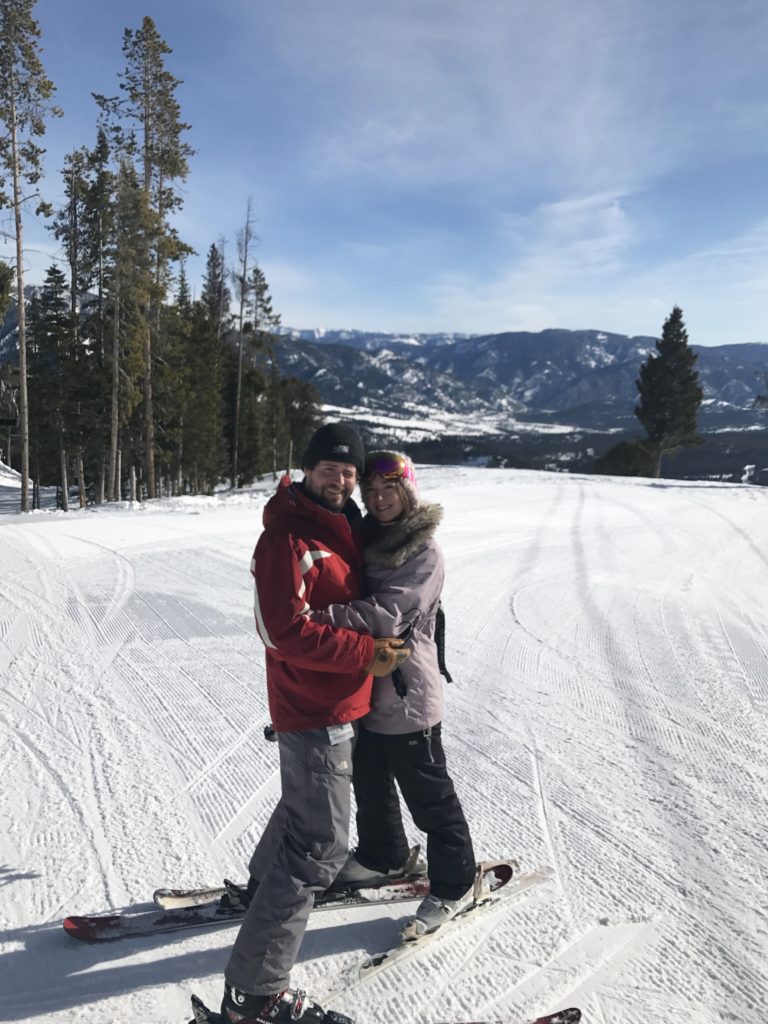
<point>387,655</point>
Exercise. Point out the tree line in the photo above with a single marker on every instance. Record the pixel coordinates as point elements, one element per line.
<point>124,380</point>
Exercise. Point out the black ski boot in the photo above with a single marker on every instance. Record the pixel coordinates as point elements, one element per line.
<point>287,1007</point>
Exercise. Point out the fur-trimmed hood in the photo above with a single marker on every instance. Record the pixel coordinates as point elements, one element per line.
<point>392,546</point>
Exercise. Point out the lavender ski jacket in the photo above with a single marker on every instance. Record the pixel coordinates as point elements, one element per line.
<point>404,573</point>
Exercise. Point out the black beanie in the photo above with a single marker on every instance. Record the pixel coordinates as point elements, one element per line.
<point>335,442</point>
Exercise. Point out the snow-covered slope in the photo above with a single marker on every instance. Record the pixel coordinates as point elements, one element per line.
<point>609,644</point>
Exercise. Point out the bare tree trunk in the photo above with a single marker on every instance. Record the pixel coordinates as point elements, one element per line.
<point>290,457</point>
<point>133,482</point>
<point>81,478</point>
<point>149,417</point>
<point>245,243</point>
<point>100,483</point>
<point>113,476</point>
<point>23,401</point>
<point>119,492</point>
<point>64,480</point>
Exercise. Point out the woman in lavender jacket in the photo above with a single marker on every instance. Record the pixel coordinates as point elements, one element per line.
<point>399,741</point>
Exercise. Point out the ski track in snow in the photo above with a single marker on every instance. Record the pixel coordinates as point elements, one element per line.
<point>609,645</point>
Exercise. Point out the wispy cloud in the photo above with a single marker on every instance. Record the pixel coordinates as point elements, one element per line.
<point>587,281</point>
<point>579,96</point>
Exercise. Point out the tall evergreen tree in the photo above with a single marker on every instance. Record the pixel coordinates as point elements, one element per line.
<point>25,95</point>
<point>99,225</point>
<point>150,108</point>
<point>74,227</point>
<point>264,321</point>
<point>216,296</point>
<point>670,393</point>
<point>203,437</point>
<point>172,390</point>
<point>128,290</point>
<point>53,368</point>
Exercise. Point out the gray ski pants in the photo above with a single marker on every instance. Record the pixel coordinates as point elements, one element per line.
<point>303,848</point>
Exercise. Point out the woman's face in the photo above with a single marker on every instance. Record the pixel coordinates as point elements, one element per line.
<point>382,499</point>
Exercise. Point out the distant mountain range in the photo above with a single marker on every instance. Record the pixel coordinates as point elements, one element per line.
<point>428,386</point>
<point>502,383</point>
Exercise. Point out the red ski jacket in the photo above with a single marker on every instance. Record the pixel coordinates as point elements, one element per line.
<point>307,558</point>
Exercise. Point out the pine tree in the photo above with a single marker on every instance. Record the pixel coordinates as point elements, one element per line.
<point>53,369</point>
<point>203,438</point>
<point>150,105</point>
<point>25,94</point>
<point>99,217</point>
<point>127,298</point>
<point>75,226</point>
<point>263,342</point>
<point>216,296</point>
<point>172,393</point>
<point>670,393</point>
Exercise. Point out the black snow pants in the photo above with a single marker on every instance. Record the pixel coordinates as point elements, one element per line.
<point>416,762</point>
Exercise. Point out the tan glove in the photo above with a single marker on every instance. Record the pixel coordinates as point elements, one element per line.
<point>388,653</point>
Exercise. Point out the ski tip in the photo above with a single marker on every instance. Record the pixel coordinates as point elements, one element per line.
<point>84,928</point>
<point>73,928</point>
<point>570,1016</point>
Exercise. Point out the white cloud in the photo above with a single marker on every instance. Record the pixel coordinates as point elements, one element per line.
<point>574,274</point>
<point>577,96</point>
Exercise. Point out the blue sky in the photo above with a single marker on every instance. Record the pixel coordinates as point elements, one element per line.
<point>460,165</point>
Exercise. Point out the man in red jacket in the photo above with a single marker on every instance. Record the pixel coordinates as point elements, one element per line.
<point>319,684</point>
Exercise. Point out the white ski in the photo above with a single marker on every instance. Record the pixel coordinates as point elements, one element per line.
<point>520,886</point>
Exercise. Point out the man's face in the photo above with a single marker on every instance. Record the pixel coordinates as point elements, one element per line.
<point>331,483</point>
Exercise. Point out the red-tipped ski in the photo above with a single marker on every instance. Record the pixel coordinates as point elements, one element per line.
<point>136,923</point>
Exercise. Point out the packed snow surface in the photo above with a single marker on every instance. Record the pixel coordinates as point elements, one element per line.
<point>609,644</point>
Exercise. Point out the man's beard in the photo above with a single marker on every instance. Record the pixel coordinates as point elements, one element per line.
<point>331,507</point>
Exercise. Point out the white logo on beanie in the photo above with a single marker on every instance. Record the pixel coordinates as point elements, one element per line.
<point>341,449</point>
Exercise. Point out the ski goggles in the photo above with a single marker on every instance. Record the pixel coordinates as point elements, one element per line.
<point>389,466</point>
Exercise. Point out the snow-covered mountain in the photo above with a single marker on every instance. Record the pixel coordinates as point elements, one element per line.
<point>538,399</point>
<point>498,382</point>
<point>584,379</point>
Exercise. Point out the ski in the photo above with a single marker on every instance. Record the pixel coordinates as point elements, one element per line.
<point>140,923</point>
<point>202,1015</point>
<point>414,870</point>
<point>505,891</point>
<point>129,924</point>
